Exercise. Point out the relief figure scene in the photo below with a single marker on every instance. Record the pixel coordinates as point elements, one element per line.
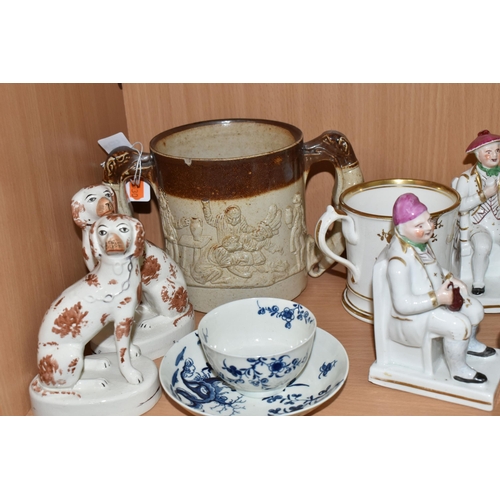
<point>227,246</point>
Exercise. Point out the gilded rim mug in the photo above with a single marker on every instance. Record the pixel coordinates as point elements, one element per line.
<point>366,215</point>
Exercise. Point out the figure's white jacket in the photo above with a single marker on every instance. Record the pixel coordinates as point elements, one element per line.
<point>412,286</point>
<point>474,208</point>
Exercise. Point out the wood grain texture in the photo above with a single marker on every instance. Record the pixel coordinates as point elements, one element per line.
<point>48,135</point>
<point>48,138</point>
<point>419,131</point>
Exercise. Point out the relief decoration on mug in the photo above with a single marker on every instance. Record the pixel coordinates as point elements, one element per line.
<point>223,248</point>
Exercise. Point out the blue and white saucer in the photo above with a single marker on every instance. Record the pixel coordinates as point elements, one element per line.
<point>188,379</point>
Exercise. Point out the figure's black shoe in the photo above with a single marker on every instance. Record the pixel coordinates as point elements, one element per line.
<point>477,291</point>
<point>489,351</point>
<point>478,379</point>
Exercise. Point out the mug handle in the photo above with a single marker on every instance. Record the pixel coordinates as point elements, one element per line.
<point>330,216</point>
<point>332,146</point>
<point>120,166</point>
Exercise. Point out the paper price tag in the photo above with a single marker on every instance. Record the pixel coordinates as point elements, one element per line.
<point>139,192</point>
<point>113,142</point>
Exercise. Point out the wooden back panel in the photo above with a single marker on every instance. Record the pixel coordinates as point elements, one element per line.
<point>48,138</point>
<point>419,131</point>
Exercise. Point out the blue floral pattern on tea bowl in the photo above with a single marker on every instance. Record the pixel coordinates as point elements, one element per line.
<point>258,346</point>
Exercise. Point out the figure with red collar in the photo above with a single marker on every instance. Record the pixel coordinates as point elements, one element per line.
<point>479,209</point>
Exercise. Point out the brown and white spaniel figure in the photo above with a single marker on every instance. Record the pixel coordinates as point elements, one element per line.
<point>164,290</point>
<point>88,205</point>
<point>109,293</point>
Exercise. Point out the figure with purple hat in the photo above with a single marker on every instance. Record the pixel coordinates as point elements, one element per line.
<point>425,298</point>
<point>479,209</point>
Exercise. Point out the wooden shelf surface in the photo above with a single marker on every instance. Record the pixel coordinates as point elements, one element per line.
<point>358,396</point>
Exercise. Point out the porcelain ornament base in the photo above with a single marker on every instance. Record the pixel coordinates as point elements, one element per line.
<point>441,385</point>
<point>87,398</point>
<point>154,338</point>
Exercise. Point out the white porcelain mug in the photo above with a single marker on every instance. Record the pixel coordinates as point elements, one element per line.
<point>365,211</point>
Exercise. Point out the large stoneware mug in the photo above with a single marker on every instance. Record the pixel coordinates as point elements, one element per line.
<point>231,200</point>
<point>365,211</point>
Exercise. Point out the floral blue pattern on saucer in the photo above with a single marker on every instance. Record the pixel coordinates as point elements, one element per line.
<point>189,380</point>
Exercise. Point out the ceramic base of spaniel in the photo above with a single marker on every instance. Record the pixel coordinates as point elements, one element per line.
<point>165,314</point>
<point>109,294</point>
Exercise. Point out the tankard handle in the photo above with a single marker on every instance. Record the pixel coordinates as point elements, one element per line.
<point>332,146</point>
<point>120,166</point>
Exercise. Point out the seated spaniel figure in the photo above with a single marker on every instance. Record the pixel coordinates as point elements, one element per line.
<point>165,305</point>
<point>109,293</point>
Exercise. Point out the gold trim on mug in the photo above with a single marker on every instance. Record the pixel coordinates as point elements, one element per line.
<point>354,165</point>
<point>317,230</point>
<point>358,294</point>
<point>354,311</point>
<point>365,186</point>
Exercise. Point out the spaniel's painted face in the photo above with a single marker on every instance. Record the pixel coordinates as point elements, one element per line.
<point>92,202</point>
<point>117,234</point>
<point>114,238</point>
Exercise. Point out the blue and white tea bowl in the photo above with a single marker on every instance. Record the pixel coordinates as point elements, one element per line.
<point>259,345</point>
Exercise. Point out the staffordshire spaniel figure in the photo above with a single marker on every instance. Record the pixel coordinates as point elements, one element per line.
<point>109,293</point>
<point>165,311</point>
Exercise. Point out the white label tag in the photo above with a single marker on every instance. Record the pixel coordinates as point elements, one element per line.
<point>113,142</point>
<point>141,192</point>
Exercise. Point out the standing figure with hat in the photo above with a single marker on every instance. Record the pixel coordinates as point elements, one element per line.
<point>479,209</point>
<point>425,298</point>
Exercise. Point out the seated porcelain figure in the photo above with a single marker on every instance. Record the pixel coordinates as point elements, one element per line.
<point>478,237</point>
<point>165,313</point>
<point>415,300</point>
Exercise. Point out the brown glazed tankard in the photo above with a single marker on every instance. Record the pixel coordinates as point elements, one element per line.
<point>231,200</point>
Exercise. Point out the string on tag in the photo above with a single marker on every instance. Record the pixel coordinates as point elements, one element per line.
<point>138,166</point>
